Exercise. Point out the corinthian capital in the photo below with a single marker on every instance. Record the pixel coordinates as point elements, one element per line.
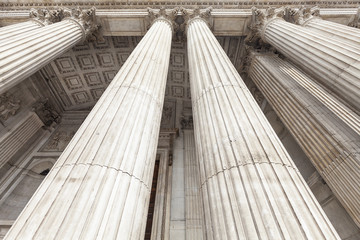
<point>44,16</point>
<point>190,15</point>
<point>261,18</point>
<point>303,15</point>
<point>86,19</point>
<point>163,14</point>
<point>259,22</point>
<point>355,21</point>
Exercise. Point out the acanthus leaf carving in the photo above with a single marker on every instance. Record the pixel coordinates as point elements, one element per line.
<point>167,15</point>
<point>259,21</point>
<point>86,18</point>
<point>304,14</point>
<point>44,16</point>
<point>46,112</point>
<point>196,13</point>
<point>355,22</point>
<point>9,106</point>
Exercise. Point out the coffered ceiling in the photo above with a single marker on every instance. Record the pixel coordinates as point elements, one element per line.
<point>80,76</point>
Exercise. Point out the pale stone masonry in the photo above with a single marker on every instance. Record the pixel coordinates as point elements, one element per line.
<point>333,63</point>
<point>310,18</point>
<point>24,54</point>
<point>251,189</point>
<point>331,144</point>
<point>134,123</point>
<point>99,187</point>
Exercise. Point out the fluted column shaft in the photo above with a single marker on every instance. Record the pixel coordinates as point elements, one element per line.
<point>25,54</point>
<point>334,64</point>
<point>14,30</point>
<point>100,186</point>
<point>193,206</point>
<point>345,35</point>
<point>12,141</point>
<point>250,187</point>
<point>329,142</point>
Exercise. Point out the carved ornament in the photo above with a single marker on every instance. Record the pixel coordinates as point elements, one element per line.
<point>59,140</point>
<point>186,122</point>
<point>355,22</point>
<point>9,105</point>
<point>44,16</point>
<point>46,112</point>
<point>259,21</point>
<point>86,19</point>
<point>303,15</point>
<point>194,14</point>
<point>162,15</point>
<point>141,4</point>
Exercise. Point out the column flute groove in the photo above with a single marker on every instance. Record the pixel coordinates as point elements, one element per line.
<point>331,63</point>
<point>38,18</point>
<point>192,187</point>
<point>310,18</point>
<point>243,198</point>
<point>25,54</point>
<point>330,143</point>
<point>102,179</point>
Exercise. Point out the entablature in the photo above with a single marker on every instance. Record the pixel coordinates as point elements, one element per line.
<point>133,22</point>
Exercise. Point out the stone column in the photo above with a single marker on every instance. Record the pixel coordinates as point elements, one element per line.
<point>100,186</point>
<point>310,18</point>
<point>334,64</point>
<point>330,143</point>
<point>38,19</point>
<point>22,56</point>
<point>193,207</point>
<point>250,187</point>
<point>17,137</point>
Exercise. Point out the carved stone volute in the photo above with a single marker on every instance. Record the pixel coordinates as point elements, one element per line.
<point>163,14</point>
<point>44,16</point>
<point>303,15</point>
<point>260,20</point>
<point>86,19</point>
<point>355,22</point>
<point>197,13</point>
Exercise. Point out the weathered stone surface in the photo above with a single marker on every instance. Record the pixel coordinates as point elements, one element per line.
<point>25,54</point>
<point>327,131</point>
<point>332,63</point>
<point>250,186</point>
<point>101,181</point>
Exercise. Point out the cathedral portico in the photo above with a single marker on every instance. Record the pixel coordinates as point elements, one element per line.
<point>175,121</point>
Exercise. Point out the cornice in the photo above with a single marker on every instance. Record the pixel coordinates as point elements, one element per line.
<point>133,22</point>
<point>13,4</point>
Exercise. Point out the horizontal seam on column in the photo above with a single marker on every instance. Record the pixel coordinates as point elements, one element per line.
<point>98,165</point>
<point>141,90</point>
<point>213,88</point>
<point>241,165</point>
<point>330,168</point>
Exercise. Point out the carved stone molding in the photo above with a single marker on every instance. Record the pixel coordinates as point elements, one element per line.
<point>44,16</point>
<point>13,4</point>
<point>355,22</point>
<point>86,19</point>
<point>46,112</point>
<point>162,15</point>
<point>194,14</point>
<point>9,106</point>
<point>260,19</point>
<point>303,15</point>
<point>186,122</point>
